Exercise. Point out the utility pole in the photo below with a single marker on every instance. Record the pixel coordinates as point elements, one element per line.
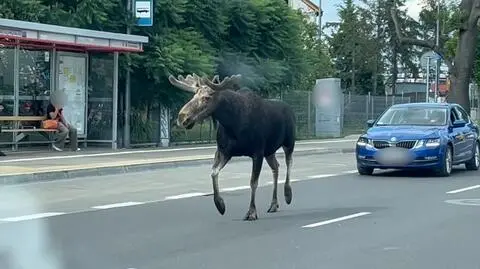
<point>126,127</point>
<point>320,14</point>
<point>437,71</point>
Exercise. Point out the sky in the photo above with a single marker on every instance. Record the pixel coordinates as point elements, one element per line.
<point>330,9</point>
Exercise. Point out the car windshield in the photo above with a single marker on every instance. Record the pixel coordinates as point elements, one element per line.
<point>431,116</point>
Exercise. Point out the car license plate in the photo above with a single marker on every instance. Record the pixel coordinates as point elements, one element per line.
<point>393,156</point>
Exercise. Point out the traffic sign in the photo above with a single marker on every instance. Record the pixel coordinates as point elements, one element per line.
<point>143,10</point>
<point>429,56</point>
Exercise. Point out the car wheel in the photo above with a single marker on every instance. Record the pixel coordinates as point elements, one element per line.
<point>474,163</point>
<point>446,168</point>
<point>364,171</point>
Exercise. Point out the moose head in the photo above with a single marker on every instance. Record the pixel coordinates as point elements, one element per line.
<point>205,99</point>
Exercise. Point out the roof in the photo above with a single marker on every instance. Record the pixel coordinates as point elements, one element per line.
<point>410,87</point>
<point>311,5</point>
<point>419,87</point>
<point>34,33</point>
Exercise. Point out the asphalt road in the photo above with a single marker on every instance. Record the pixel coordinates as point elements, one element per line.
<point>390,220</point>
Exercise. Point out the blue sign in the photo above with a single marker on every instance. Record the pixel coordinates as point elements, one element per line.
<point>143,10</point>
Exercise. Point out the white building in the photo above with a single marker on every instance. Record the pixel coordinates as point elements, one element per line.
<point>307,7</point>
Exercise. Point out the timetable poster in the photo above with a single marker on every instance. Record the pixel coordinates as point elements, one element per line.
<point>72,81</point>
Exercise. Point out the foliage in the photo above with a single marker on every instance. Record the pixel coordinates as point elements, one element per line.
<point>272,45</point>
<point>355,50</point>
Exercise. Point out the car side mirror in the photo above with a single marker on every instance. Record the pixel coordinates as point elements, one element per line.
<point>370,123</point>
<point>459,123</point>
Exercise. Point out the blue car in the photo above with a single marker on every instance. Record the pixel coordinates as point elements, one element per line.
<point>432,136</point>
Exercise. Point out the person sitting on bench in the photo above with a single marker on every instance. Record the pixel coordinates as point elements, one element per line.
<point>54,112</point>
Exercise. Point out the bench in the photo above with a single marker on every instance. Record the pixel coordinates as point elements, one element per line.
<point>22,130</point>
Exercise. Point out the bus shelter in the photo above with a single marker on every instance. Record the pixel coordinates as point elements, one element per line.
<point>38,59</point>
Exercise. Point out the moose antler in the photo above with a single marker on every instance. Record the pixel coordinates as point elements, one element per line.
<point>189,84</point>
<point>232,82</point>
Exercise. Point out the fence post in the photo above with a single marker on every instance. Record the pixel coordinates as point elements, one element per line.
<point>309,114</point>
<point>368,105</point>
<point>372,107</point>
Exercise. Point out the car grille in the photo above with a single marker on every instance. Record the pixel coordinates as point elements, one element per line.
<point>380,144</point>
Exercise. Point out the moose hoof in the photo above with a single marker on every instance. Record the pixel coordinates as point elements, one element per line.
<point>251,215</point>
<point>288,194</point>
<point>219,204</point>
<point>273,208</point>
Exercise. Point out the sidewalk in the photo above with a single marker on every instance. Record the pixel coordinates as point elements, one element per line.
<point>21,168</point>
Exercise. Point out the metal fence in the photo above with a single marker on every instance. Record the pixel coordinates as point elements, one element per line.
<point>360,108</point>
<point>357,110</point>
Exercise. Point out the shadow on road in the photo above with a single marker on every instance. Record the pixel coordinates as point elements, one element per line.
<point>427,174</point>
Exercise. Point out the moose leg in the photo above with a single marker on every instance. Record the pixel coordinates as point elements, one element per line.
<point>273,163</point>
<point>257,162</point>
<point>287,188</point>
<point>219,163</point>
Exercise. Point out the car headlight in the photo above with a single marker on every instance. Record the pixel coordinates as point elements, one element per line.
<point>431,143</point>
<point>363,142</point>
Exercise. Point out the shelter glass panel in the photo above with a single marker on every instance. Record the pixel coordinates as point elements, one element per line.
<point>100,97</point>
<point>34,82</point>
<point>7,78</point>
<point>7,90</point>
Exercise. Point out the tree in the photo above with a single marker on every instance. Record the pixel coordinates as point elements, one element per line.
<point>353,48</point>
<point>271,44</point>
<point>390,54</point>
<point>460,65</point>
<point>315,55</point>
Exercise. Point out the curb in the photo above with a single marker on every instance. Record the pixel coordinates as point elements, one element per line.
<point>124,169</point>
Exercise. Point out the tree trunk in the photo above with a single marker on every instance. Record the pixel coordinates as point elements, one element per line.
<point>394,66</point>
<point>463,69</point>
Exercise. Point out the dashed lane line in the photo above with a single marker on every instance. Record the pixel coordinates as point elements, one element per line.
<point>185,195</point>
<point>463,189</point>
<point>317,224</point>
<point>116,205</point>
<point>173,197</point>
<point>33,216</point>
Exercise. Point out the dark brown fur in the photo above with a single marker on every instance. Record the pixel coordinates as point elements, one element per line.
<point>248,125</point>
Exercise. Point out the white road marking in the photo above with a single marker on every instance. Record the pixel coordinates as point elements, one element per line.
<point>322,176</point>
<point>313,225</point>
<point>326,141</point>
<point>117,205</point>
<point>33,216</point>
<point>314,177</point>
<point>185,195</point>
<point>174,197</point>
<point>464,189</point>
<point>236,188</point>
<point>160,150</point>
<point>470,202</point>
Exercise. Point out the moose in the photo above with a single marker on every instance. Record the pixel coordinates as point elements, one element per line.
<point>247,125</point>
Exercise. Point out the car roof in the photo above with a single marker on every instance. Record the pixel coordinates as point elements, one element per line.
<point>425,104</point>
